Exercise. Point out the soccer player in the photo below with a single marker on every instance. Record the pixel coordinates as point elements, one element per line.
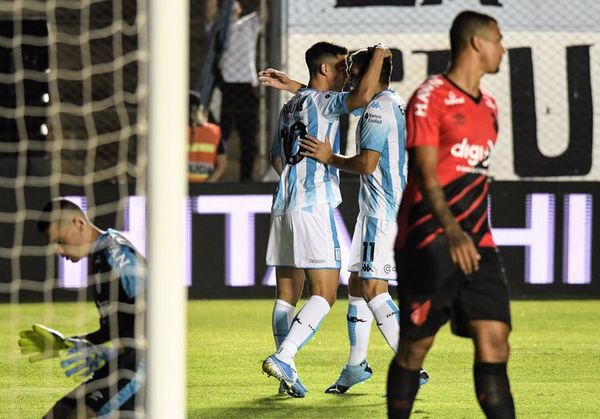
<point>109,359</point>
<point>448,265</point>
<point>303,238</point>
<point>381,163</point>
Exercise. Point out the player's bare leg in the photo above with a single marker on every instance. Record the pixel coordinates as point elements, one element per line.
<point>492,386</point>
<point>323,288</point>
<point>290,282</point>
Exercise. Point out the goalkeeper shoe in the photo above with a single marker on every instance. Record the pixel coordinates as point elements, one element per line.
<point>286,375</point>
<point>423,377</point>
<point>350,376</point>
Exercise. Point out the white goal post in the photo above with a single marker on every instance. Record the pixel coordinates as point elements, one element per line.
<point>167,191</point>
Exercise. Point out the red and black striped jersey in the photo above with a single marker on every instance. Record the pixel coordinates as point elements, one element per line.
<point>464,129</point>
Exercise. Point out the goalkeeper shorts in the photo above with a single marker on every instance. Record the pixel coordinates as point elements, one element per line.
<point>97,393</point>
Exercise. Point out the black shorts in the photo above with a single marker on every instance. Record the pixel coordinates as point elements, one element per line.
<point>106,393</point>
<point>433,290</point>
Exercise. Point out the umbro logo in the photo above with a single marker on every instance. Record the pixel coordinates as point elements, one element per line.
<point>453,99</point>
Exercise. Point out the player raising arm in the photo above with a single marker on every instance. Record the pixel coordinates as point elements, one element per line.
<point>381,162</point>
<point>303,238</point>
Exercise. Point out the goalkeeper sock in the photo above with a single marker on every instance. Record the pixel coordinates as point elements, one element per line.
<point>283,314</point>
<point>493,390</point>
<point>304,326</point>
<point>402,387</point>
<point>387,316</point>
<point>359,320</point>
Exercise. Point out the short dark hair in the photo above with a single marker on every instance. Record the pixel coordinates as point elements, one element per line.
<point>464,26</point>
<point>315,55</point>
<point>52,211</point>
<point>361,59</point>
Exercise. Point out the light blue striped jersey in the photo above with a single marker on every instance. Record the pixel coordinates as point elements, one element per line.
<point>382,128</point>
<point>305,182</point>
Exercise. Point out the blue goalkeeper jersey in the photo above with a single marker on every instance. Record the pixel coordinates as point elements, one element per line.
<point>119,281</point>
<point>382,128</point>
<point>305,182</point>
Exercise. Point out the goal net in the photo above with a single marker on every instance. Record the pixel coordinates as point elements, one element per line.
<point>74,123</point>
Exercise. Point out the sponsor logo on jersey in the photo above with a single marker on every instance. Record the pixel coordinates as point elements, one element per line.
<point>373,118</point>
<point>474,154</point>
<point>453,99</point>
<point>424,93</point>
<point>419,312</point>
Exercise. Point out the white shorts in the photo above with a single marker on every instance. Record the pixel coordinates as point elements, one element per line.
<point>372,248</point>
<point>304,238</point>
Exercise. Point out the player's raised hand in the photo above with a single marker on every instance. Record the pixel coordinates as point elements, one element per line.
<point>463,250</point>
<point>80,363</point>
<point>274,78</point>
<point>316,149</point>
<point>42,342</point>
<point>382,49</point>
<point>278,80</point>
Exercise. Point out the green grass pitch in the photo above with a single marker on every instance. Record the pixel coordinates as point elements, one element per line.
<point>554,369</point>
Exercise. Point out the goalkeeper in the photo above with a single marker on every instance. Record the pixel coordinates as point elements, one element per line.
<point>110,360</point>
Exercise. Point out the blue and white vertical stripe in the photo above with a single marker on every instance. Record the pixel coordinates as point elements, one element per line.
<point>382,128</point>
<point>307,182</point>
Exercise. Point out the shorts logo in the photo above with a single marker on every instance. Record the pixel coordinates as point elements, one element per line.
<point>419,312</point>
<point>338,254</point>
<point>96,395</point>
<point>367,268</point>
<point>316,260</point>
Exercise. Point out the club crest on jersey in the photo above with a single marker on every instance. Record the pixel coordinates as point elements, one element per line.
<point>453,99</point>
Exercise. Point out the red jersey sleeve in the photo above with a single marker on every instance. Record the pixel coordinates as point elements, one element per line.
<point>424,115</point>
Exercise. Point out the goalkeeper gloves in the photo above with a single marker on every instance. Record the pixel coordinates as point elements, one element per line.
<point>81,362</point>
<point>41,343</point>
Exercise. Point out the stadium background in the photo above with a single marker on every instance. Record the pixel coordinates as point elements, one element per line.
<point>545,166</point>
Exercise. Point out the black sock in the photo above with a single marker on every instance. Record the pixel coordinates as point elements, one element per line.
<point>402,387</point>
<point>493,390</point>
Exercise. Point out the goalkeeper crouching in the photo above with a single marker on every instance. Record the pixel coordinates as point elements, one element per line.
<point>109,362</point>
